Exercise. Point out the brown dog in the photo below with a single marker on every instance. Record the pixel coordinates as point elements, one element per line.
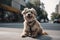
<point>31,26</point>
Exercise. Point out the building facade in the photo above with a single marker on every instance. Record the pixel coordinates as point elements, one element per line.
<point>22,3</point>
<point>18,4</point>
<point>57,9</point>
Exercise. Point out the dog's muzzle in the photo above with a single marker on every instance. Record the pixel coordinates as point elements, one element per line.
<point>29,16</point>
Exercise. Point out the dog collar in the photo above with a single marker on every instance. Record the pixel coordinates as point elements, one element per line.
<point>31,23</point>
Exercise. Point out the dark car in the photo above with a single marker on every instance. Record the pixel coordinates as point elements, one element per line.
<point>56,20</point>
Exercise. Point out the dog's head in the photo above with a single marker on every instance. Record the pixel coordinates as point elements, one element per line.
<point>29,14</point>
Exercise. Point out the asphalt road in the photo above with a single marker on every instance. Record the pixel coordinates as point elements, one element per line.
<point>49,26</point>
<point>12,31</point>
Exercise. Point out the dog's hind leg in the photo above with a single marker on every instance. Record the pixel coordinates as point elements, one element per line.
<point>44,33</point>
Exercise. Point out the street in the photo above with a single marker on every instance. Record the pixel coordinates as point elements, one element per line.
<point>49,26</point>
<point>12,31</point>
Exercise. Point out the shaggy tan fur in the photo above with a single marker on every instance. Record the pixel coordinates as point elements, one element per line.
<point>31,21</point>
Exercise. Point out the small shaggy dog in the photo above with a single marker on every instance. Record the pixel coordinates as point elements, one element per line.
<point>31,26</point>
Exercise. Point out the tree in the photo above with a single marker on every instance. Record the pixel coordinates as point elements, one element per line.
<point>55,16</point>
<point>36,3</point>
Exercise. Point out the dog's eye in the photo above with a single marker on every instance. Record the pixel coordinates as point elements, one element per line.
<point>26,12</point>
<point>31,12</point>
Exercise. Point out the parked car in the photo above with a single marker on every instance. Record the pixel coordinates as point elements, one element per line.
<point>56,20</point>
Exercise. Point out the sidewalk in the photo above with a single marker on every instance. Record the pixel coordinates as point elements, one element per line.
<point>14,34</point>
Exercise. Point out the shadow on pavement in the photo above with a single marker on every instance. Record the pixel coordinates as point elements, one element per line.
<point>44,37</point>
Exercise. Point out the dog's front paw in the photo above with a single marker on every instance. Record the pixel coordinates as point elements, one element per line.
<point>23,36</point>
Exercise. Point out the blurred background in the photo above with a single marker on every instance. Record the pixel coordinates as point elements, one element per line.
<point>10,11</point>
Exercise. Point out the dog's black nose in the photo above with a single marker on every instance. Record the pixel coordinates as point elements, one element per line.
<point>28,14</point>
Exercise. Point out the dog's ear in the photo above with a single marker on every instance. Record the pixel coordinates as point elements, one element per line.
<point>34,11</point>
<point>24,11</point>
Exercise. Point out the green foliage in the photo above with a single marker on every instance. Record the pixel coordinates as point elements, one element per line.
<point>55,15</point>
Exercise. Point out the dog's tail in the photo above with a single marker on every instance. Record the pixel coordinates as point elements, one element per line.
<point>44,33</point>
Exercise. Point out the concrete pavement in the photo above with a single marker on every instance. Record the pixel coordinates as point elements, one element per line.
<point>14,34</point>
